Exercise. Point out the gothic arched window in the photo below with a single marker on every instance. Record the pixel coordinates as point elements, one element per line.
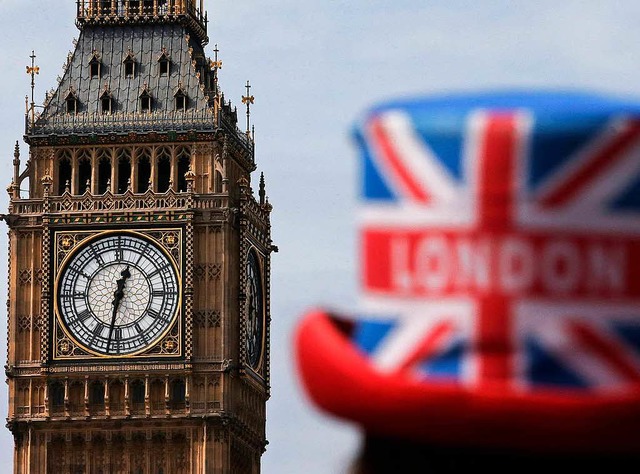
<point>129,65</point>
<point>145,102</point>
<point>64,171</point>
<point>106,102</point>
<point>71,102</point>
<point>95,65</point>
<point>164,64</point>
<point>181,100</point>
<point>56,396</point>
<point>84,172</point>
<point>137,390</point>
<point>144,170</point>
<point>104,171</point>
<point>178,393</point>
<point>116,396</point>
<point>184,163</point>
<point>217,185</point>
<point>124,170</point>
<point>164,170</point>
<point>96,394</point>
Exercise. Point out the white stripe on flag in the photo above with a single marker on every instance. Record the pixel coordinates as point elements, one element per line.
<point>418,159</point>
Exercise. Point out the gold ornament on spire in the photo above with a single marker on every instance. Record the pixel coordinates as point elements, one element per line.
<point>248,100</point>
<point>33,70</point>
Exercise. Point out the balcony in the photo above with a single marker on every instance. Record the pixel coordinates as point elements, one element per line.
<point>142,11</point>
<point>117,203</point>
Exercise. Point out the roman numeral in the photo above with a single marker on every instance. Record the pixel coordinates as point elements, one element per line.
<point>79,272</point>
<point>79,295</point>
<point>86,314</point>
<point>97,331</point>
<point>141,333</point>
<point>157,270</point>
<point>97,255</point>
<point>146,246</point>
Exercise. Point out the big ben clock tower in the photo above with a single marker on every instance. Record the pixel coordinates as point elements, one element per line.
<point>139,261</point>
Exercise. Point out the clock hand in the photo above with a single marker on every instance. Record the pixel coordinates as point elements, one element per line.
<point>117,298</point>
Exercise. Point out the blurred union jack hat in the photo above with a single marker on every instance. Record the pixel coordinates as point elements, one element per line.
<point>499,276</point>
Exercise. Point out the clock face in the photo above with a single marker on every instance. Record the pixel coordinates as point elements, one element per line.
<point>117,294</point>
<point>255,321</point>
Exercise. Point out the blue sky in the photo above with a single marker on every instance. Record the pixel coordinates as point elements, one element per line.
<point>315,67</point>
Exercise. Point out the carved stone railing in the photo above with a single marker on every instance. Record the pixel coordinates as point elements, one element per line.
<point>203,407</point>
<point>26,206</point>
<point>109,202</point>
<point>158,408</point>
<point>120,122</point>
<point>28,363</point>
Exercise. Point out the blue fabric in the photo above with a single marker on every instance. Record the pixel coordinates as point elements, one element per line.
<point>369,334</point>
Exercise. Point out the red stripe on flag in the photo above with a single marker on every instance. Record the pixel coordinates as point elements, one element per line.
<point>597,164</point>
<point>395,164</point>
<point>429,346</point>
<point>497,156</point>
<point>606,350</point>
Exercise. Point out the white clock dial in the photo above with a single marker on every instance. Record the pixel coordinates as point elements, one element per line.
<point>118,294</point>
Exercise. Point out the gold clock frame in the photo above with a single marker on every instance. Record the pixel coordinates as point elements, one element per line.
<point>64,346</point>
<point>258,368</point>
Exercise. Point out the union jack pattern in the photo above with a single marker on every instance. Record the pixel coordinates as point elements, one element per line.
<point>497,246</point>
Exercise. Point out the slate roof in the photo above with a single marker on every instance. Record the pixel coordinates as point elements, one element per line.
<point>145,43</point>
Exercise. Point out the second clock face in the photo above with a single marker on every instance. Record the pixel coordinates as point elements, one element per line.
<point>118,294</point>
<point>255,312</point>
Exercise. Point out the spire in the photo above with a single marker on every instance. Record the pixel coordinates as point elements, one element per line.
<point>262,191</point>
<point>16,171</point>
<point>215,65</point>
<point>33,70</point>
<point>248,100</point>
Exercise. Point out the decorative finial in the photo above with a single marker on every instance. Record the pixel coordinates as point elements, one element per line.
<point>262,192</point>
<point>248,100</point>
<point>215,65</point>
<point>33,70</point>
<point>129,184</point>
<point>243,183</point>
<point>46,181</point>
<point>67,187</point>
<point>190,178</point>
<point>16,171</point>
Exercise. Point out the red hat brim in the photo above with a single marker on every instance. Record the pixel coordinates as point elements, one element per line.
<point>340,379</point>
